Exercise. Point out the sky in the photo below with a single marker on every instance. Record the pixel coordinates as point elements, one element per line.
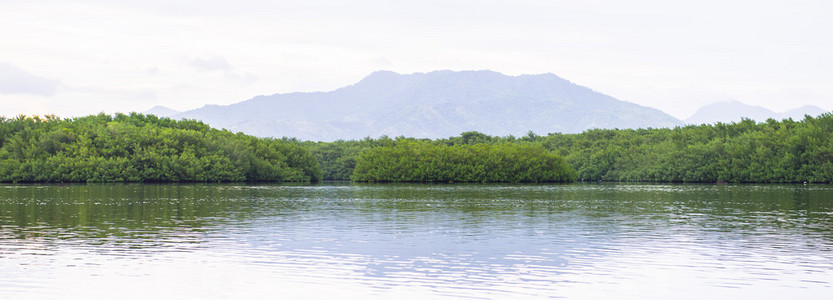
<point>81,57</point>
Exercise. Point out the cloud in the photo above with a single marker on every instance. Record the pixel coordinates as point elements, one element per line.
<point>13,80</point>
<point>152,71</point>
<point>381,62</point>
<point>220,64</point>
<point>216,63</point>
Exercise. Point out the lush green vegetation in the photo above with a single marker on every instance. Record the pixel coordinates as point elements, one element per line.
<point>338,159</point>
<point>421,161</point>
<point>767,152</point>
<point>143,148</point>
<point>139,148</point>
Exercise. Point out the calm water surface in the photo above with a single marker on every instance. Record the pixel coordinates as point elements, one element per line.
<point>337,241</point>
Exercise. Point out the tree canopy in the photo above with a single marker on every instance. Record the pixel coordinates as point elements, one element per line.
<point>785,151</point>
<point>143,148</point>
<point>420,161</point>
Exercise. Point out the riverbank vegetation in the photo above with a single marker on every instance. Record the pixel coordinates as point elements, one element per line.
<point>422,161</point>
<point>143,148</point>
<point>785,151</point>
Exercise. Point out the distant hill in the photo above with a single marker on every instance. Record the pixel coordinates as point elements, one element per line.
<point>433,105</point>
<point>734,111</point>
<point>161,111</point>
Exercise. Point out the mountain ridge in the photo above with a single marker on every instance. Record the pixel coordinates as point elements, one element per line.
<point>436,104</point>
<point>733,111</point>
<point>161,111</point>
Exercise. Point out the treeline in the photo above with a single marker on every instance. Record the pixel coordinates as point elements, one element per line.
<point>421,161</point>
<point>784,151</point>
<point>143,148</point>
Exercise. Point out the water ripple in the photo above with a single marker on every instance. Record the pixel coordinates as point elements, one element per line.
<point>588,241</point>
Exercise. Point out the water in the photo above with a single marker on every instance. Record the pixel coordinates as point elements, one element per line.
<point>342,241</point>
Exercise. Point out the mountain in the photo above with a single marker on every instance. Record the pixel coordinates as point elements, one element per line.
<point>161,111</point>
<point>433,105</point>
<point>734,111</point>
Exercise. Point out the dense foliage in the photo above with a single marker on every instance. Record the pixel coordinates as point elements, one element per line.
<point>767,152</point>
<point>420,161</point>
<point>142,148</point>
<point>338,159</point>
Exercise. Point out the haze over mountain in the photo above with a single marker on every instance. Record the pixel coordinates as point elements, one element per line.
<point>161,111</point>
<point>734,111</point>
<point>433,105</point>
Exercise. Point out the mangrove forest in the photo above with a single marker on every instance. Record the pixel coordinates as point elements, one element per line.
<point>773,151</point>
<point>417,161</point>
<point>144,148</point>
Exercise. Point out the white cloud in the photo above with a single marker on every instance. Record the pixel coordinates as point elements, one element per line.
<point>651,52</point>
<point>221,64</point>
<point>214,63</point>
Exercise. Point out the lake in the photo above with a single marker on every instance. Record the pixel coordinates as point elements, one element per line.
<point>359,241</point>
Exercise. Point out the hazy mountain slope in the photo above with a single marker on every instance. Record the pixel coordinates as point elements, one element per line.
<point>434,105</point>
<point>161,111</point>
<point>734,111</point>
<point>798,113</point>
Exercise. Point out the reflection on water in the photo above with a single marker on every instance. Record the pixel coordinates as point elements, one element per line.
<point>418,241</point>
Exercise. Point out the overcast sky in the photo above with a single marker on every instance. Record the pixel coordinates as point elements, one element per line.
<point>81,57</point>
